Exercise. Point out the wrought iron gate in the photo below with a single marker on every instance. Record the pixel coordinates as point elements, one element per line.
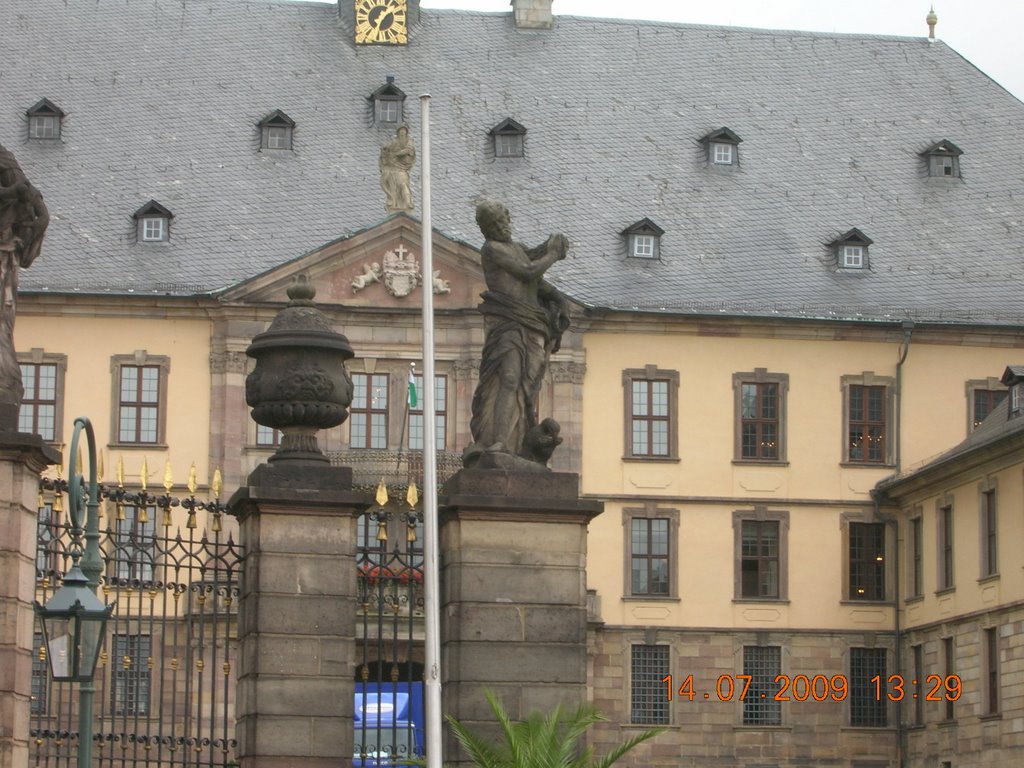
<point>165,687</point>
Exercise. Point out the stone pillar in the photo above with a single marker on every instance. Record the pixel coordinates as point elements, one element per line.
<point>297,616</point>
<point>22,458</point>
<point>513,549</point>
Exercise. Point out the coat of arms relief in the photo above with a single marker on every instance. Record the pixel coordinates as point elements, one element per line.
<point>400,274</point>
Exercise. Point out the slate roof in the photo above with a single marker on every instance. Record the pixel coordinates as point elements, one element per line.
<point>163,98</point>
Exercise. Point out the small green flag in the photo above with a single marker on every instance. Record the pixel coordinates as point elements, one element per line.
<point>413,399</point>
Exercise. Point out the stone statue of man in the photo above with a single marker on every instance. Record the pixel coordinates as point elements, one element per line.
<point>23,222</point>
<point>524,318</point>
<point>396,160</point>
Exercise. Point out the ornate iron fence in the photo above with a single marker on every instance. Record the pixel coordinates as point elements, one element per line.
<point>165,687</point>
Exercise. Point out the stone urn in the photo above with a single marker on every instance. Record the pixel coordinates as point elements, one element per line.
<point>300,384</point>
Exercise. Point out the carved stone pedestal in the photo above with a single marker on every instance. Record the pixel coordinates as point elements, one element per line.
<point>297,616</point>
<point>22,458</point>
<point>513,594</point>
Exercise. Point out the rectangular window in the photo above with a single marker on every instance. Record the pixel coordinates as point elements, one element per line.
<point>648,702</point>
<point>866,709</point>
<point>268,436</point>
<point>649,556</point>
<point>389,110</point>
<point>44,127</point>
<point>759,413</point>
<point>991,661</point>
<point>853,257</point>
<point>945,537</point>
<point>722,154</point>
<point>759,559</point>
<point>278,137</point>
<point>153,228</point>
<point>135,545</point>
<point>984,401</point>
<point>650,417</point>
<point>48,547</point>
<point>643,246</point>
<point>40,676</point>
<point>508,145</point>
<point>917,689</point>
<point>763,663</point>
<point>368,420</point>
<point>440,414</point>
<point>867,561</point>
<point>989,532</point>
<point>867,424</point>
<point>916,557</point>
<point>38,413</point>
<point>949,668</point>
<point>139,404</point>
<point>129,689</point>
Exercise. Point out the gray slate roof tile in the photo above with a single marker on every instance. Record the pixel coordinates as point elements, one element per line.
<point>162,101</point>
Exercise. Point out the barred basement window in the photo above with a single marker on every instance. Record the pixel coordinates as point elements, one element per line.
<point>763,663</point>
<point>648,702</point>
<point>867,709</point>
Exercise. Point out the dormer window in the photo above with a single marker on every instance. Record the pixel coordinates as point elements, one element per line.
<point>1013,377</point>
<point>943,160</point>
<point>722,147</point>
<point>508,138</point>
<point>153,222</point>
<point>387,103</point>
<point>643,240</point>
<point>276,131</point>
<point>851,250</point>
<point>44,119</point>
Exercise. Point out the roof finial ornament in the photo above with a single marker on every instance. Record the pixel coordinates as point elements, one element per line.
<point>932,20</point>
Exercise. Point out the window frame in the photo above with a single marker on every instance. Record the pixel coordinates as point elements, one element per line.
<point>149,232</point>
<point>260,439</point>
<point>648,696</point>
<point>992,387</point>
<point>141,359</point>
<point>759,708</point>
<point>37,357</point>
<point>651,511</point>
<point>643,246</point>
<point>873,585</point>
<point>371,433</point>
<point>854,524</point>
<point>759,377</point>
<point>130,686</point>
<point>651,373</point>
<point>44,113</point>
<point>761,514</point>
<point>440,413</point>
<point>722,153</point>
<point>988,528</point>
<point>949,668</point>
<point>868,379</point>
<point>915,556</point>
<point>387,106</point>
<point>945,538</point>
<point>990,671</point>
<point>866,516</point>
<point>860,690</point>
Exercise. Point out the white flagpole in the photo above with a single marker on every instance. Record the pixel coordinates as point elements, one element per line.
<point>431,561</point>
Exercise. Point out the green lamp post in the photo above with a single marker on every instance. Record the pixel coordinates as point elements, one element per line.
<point>74,619</point>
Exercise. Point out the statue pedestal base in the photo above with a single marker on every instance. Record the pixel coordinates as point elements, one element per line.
<point>513,594</point>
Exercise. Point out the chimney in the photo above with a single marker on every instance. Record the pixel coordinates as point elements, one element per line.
<point>532,14</point>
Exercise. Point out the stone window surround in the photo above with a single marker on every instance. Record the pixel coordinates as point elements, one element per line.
<point>649,639</point>
<point>649,511</point>
<point>759,376</point>
<point>140,358</point>
<point>39,356</point>
<point>992,383</point>
<point>866,516</point>
<point>915,514</point>
<point>990,485</point>
<point>650,373</point>
<point>868,379</point>
<point>760,513</point>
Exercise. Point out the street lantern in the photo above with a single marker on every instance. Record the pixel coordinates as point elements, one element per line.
<point>74,621</point>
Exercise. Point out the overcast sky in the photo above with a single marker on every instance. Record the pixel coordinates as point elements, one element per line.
<point>986,32</point>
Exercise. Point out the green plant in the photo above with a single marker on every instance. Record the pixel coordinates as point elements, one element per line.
<point>542,741</point>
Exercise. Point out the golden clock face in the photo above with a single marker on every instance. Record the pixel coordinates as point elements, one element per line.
<point>381,21</point>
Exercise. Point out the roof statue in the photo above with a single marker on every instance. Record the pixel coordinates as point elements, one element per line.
<point>524,317</point>
<point>397,158</point>
<point>23,222</point>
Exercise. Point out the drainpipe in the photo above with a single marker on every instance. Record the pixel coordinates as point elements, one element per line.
<point>901,733</point>
<point>908,330</point>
